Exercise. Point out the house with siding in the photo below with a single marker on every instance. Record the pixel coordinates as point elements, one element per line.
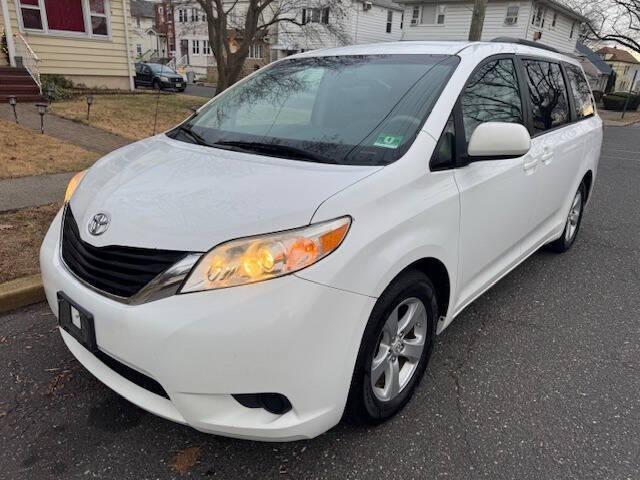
<point>145,41</point>
<point>362,22</point>
<point>86,41</point>
<point>624,64</point>
<point>597,71</point>
<point>544,21</point>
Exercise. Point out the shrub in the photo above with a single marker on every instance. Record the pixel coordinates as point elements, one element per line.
<point>56,87</point>
<point>616,101</point>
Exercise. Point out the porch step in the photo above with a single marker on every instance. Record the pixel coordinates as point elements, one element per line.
<point>16,82</point>
<point>28,98</point>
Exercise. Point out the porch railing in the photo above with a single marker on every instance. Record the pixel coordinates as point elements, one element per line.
<point>29,58</point>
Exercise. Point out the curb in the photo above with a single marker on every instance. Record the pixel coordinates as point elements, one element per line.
<point>21,292</point>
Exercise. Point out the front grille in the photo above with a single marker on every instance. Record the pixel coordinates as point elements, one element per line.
<point>120,271</point>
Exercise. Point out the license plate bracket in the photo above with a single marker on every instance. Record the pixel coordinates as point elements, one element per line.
<point>77,322</point>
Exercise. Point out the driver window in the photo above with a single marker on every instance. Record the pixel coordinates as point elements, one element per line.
<point>492,94</point>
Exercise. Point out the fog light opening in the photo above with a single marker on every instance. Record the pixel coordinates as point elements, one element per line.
<point>275,403</point>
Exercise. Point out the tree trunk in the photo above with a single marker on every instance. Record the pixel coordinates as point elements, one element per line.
<point>477,20</point>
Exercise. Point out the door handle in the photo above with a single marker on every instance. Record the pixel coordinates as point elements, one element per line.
<point>529,164</point>
<point>547,156</point>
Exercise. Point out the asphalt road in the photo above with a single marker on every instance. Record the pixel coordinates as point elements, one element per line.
<point>200,91</point>
<point>538,379</point>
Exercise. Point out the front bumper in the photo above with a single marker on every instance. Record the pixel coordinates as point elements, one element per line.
<point>288,336</point>
<point>176,85</point>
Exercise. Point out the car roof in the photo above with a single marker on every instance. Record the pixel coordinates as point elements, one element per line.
<point>437,48</point>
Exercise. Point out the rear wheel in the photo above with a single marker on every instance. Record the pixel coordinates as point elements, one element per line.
<point>572,224</point>
<point>395,349</point>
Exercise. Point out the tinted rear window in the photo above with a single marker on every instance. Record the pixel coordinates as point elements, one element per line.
<point>548,94</point>
<point>582,99</point>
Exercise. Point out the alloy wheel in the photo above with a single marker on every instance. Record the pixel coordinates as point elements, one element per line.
<point>574,217</point>
<point>399,350</point>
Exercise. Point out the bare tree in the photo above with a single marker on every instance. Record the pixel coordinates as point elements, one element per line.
<point>477,20</point>
<point>611,20</point>
<point>234,25</point>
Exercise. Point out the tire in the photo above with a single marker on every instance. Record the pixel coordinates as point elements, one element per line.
<point>366,403</point>
<point>572,224</point>
<point>156,85</point>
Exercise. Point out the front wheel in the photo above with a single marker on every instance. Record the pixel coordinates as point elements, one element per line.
<point>156,85</point>
<point>572,224</point>
<point>395,349</point>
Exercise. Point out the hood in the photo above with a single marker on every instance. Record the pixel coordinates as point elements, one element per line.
<point>166,194</point>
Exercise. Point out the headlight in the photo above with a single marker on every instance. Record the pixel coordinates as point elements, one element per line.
<point>73,184</point>
<point>164,79</point>
<point>253,259</point>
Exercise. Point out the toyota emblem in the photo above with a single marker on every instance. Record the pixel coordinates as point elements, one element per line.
<point>99,223</point>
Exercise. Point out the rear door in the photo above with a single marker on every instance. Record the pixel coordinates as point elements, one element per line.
<point>496,196</point>
<point>557,146</point>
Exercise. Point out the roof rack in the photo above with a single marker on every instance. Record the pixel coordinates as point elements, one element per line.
<point>528,43</point>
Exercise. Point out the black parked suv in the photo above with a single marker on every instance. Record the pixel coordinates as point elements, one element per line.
<point>159,77</point>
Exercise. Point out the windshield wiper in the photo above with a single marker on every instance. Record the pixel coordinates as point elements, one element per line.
<point>194,136</point>
<point>275,150</point>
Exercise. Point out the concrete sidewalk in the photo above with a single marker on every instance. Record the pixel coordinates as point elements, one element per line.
<point>42,189</point>
<point>26,192</point>
<point>85,136</point>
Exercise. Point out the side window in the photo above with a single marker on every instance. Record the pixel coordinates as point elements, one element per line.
<point>582,98</point>
<point>492,94</point>
<point>547,93</point>
<point>445,152</point>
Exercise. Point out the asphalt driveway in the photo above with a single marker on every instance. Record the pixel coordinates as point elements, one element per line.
<point>538,379</point>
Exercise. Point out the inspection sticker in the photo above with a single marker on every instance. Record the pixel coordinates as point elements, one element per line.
<point>388,141</point>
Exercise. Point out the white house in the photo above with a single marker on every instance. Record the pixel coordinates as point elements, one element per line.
<point>544,21</point>
<point>145,42</point>
<point>360,21</point>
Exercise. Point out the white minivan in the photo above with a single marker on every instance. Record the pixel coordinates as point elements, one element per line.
<point>285,257</point>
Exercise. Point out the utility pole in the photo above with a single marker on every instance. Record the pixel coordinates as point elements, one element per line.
<point>477,20</point>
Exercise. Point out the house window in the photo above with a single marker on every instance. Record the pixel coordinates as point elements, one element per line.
<point>195,15</point>
<point>182,15</point>
<point>195,47</point>
<point>255,51</point>
<point>206,48</point>
<point>537,20</point>
<point>433,14</point>
<point>389,20</point>
<point>512,15</point>
<point>573,28</point>
<point>138,49</point>
<point>415,15</point>
<point>315,15</point>
<point>31,15</point>
<point>98,17</point>
<point>88,17</point>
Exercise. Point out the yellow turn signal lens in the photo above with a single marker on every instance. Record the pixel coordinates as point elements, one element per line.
<point>254,259</point>
<point>73,184</point>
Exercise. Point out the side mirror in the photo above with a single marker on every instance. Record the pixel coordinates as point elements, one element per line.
<point>498,141</point>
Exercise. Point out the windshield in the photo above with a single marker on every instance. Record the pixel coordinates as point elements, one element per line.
<point>157,68</point>
<point>355,110</point>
